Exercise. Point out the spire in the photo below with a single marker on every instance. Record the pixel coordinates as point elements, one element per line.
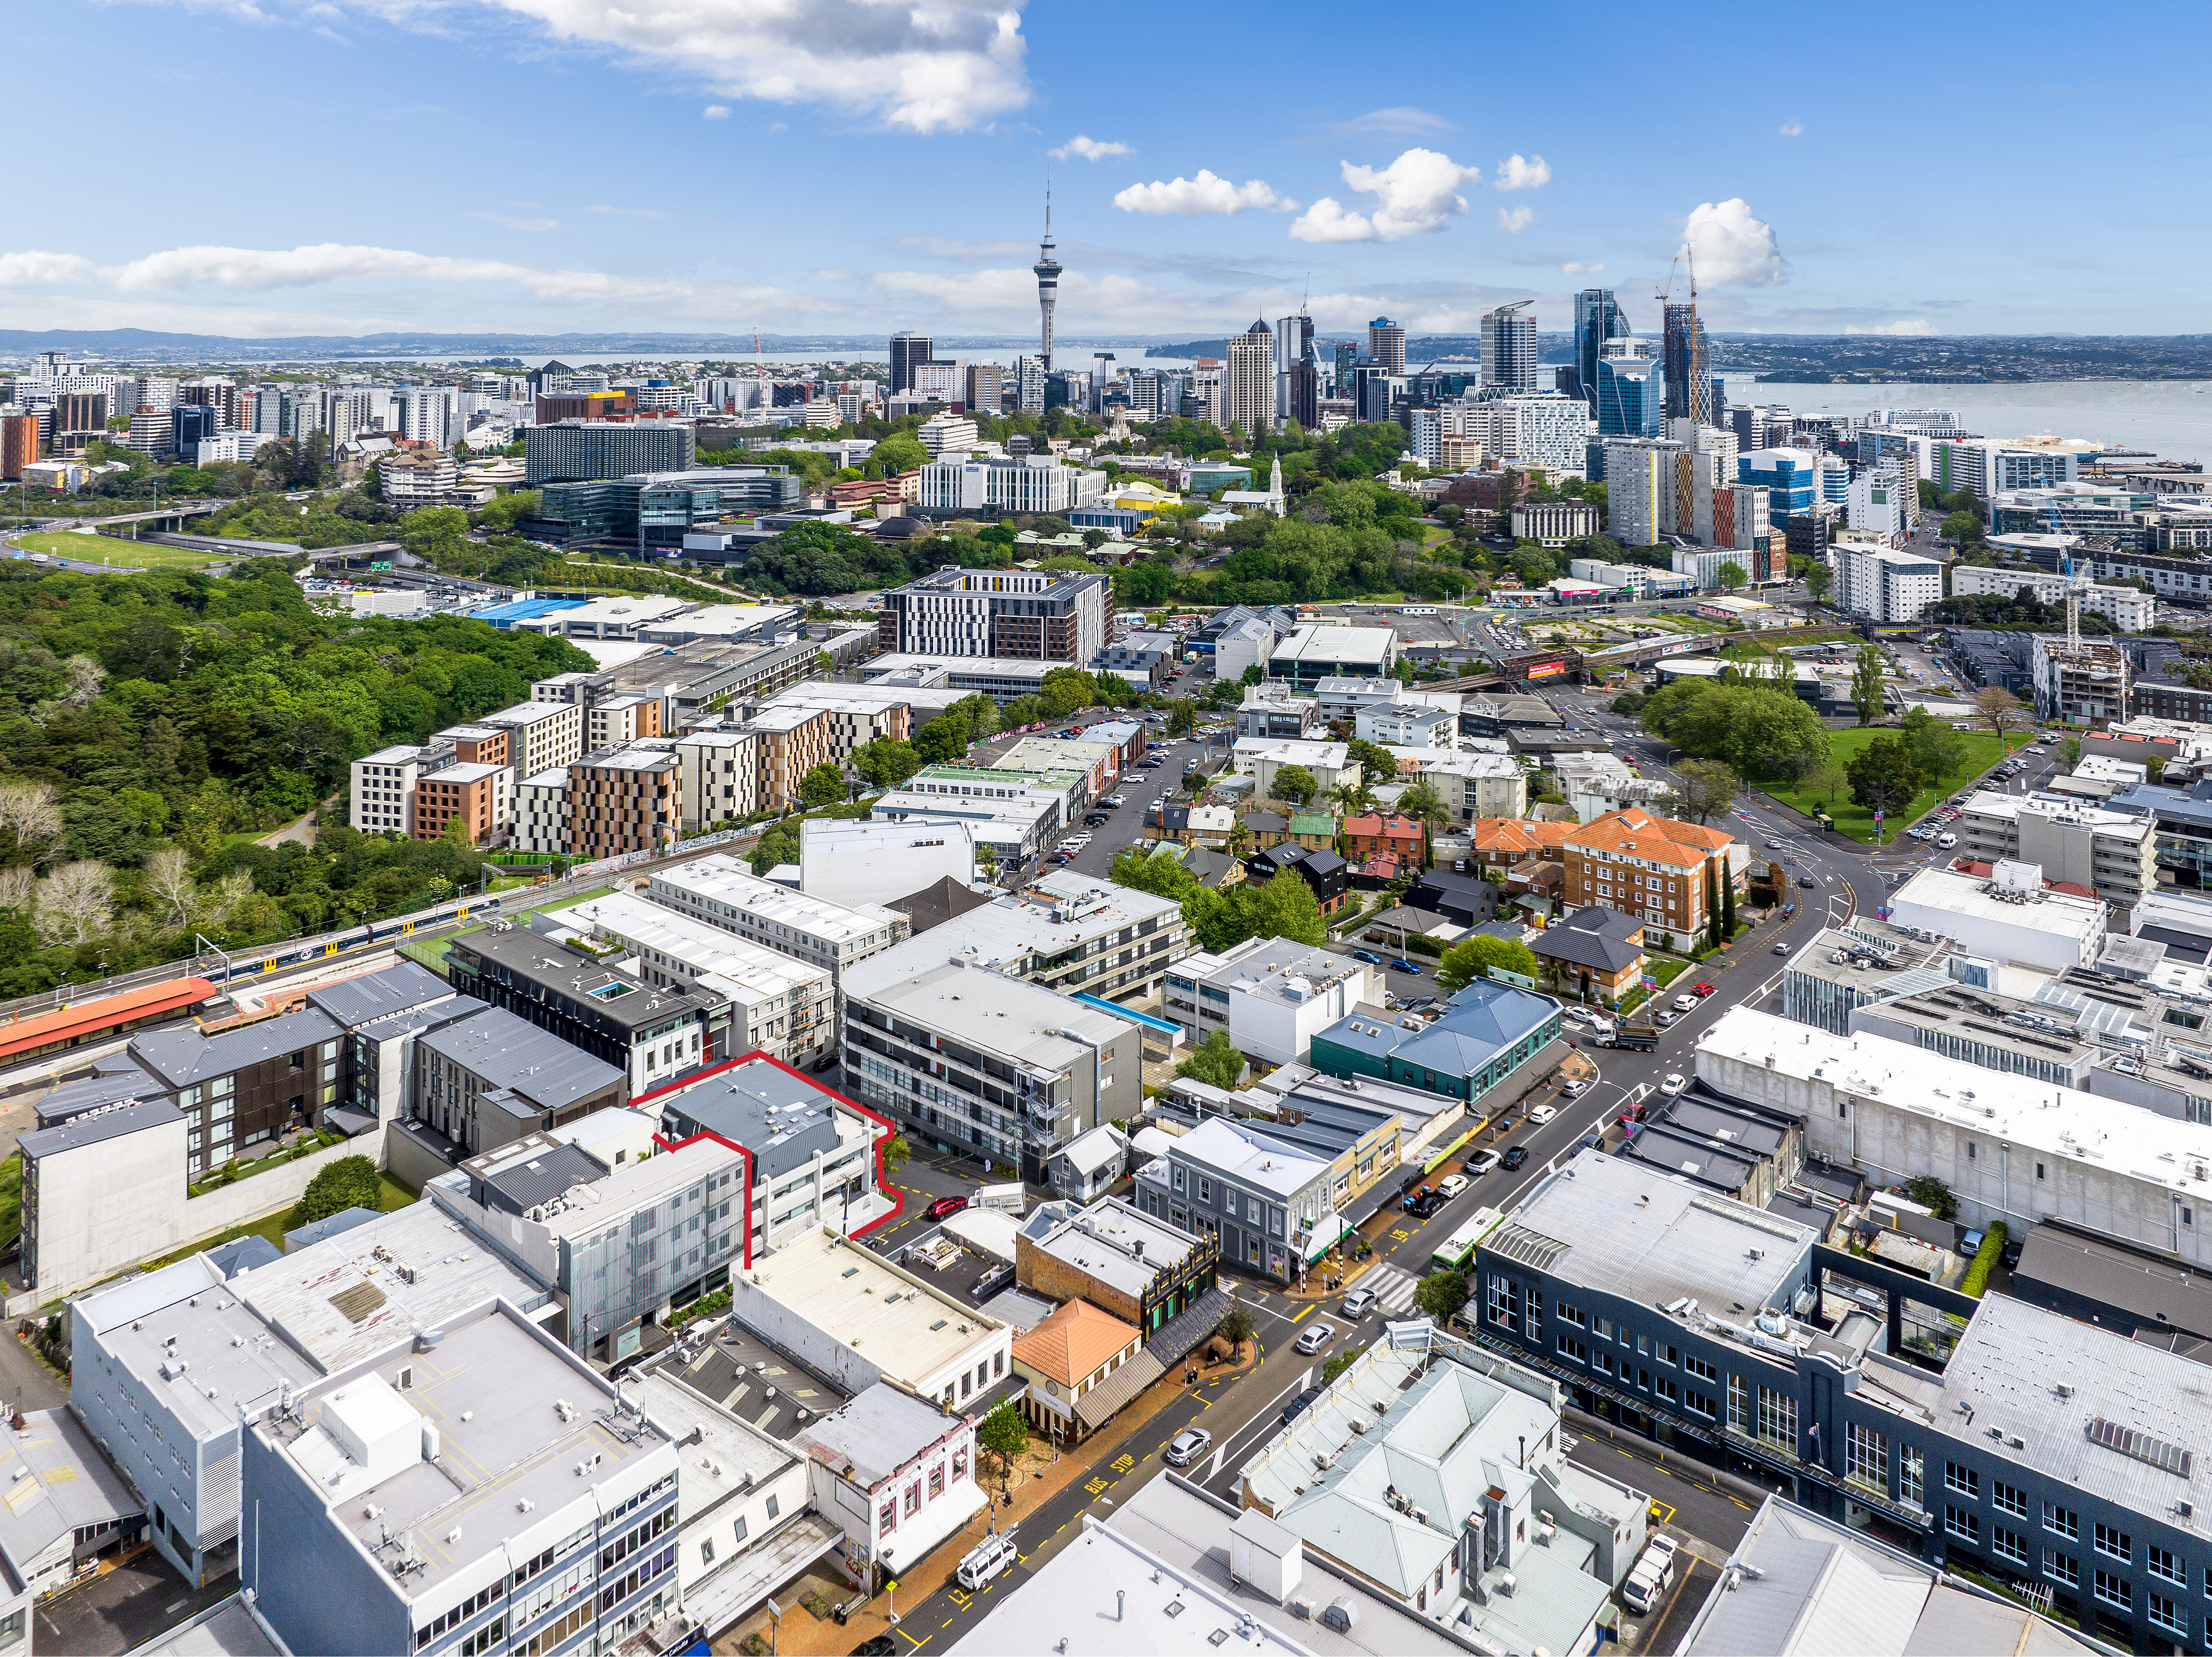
<point>1047,274</point>
<point>1275,477</point>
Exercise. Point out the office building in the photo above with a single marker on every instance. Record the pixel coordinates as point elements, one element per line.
<point>1270,1207</point>
<point>1312,653</point>
<point>1270,997</point>
<point>2113,853</point>
<point>1790,477</point>
<point>2008,915</point>
<point>721,891</point>
<point>1509,349</point>
<point>1883,586</point>
<point>1386,345</point>
<point>1598,318</point>
<point>993,486</point>
<point>1248,382</point>
<point>985,1063</point>
<point>1540,431</point>
<point>908,350</point>
<point>1043,616</point>
<point>359,1539</point>
<point>1629,393</point>
<point>1689,364</point>
<point>579,450</point>
<point>1485,1033</point>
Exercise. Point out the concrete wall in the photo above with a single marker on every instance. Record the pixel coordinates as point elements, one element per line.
<point>819,1351</point>
<point>1991,1179</point>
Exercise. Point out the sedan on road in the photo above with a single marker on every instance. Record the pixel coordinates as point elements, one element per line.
<point>1403,965</point>
<point>1367,956</point>
<point>1299,1406</point>
<point>1313,1339</point>
<point>1807,880</point>
<point>1187,1446</point>
<point>944,1208</point>
<point>1483,1161</point>
<point>1515,1157</point>
<point>1451,1185</point>
<point>1539,1115</point>
<point>1356,1304</point>
<point>1674,1083</point>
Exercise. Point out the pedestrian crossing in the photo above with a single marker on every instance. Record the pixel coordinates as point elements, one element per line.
<point>1393,1289</point>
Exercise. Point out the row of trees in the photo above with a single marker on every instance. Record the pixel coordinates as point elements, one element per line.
<point>1282,907</point>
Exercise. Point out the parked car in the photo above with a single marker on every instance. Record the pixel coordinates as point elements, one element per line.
<point>1412,1194</point>
<point>1368,957</point>
<point>1686,1004</point>
<point>1186,1446</point>
<point>1483,1161</point>
<point>1427,1203</point>
<point>1673,1084</point>
<point>1701,991</point>
<point>1403,965</point>
<point>1451,1185</point>
<point>1575,1015</point>
<point>1314,1337</point>
<point>1514,1157</point>
<point>1355,1304</point>
<point>944,1208</point>
<point>1299,1406</point>
<point>1662,1018</point>
<point>1093,820</point>
<point>1115,800</point>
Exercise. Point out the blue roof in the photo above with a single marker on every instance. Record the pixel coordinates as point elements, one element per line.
<point>1483,1020</point>
<point>1129,1013</point>
<point>523,610</point>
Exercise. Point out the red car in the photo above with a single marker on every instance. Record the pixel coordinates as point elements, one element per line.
<point>1701,989</point>
<point>944,1208</point>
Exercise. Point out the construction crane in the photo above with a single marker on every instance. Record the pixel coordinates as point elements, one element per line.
<point>1699,384</point>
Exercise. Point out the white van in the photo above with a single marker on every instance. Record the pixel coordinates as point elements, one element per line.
<point>1647,1584</point>
<point>990,1556</point>
<point>1002,1198</point>
<point>1946,841</point>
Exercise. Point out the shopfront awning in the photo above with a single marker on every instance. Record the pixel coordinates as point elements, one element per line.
<point>1095,1407</point>
<point>750,1576</point>
<point>1332,1227</point>
<point>1188,1328</point>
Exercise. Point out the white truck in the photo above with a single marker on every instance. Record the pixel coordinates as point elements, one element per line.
<point>1647,1582</point>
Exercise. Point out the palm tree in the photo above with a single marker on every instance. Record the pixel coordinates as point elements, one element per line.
<point>1423,804</point>
<point>1352,800</point>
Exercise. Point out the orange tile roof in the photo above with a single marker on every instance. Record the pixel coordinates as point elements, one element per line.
<point>1662,840</point>
<point>1396,828</point>
<point>1073,1343</point>
<point>1519,834</point>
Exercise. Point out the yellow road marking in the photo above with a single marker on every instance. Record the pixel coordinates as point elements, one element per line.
<point>1301,1315</point>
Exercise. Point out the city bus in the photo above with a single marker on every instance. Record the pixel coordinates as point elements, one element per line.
<point>1456,1252</point>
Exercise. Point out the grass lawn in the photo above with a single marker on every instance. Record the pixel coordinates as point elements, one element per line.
<point>1664,968</point>
<point>1857,820</point>
<point>431,952</point>
<point>124,555</point>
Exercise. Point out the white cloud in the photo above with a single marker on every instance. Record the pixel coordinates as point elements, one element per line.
<point>1791,129</point>
<point>1515,173</point>
<point>1402,117</point>
<point>1515,218</point>
<point>926,65</point>
<point>715,112</point>
<point>30,270</point>
<point>1731,248</point>
<point>1415,193</point>
<point>1327,220</point>
<point>1577,268</point>
<point>1206,193</point>
<point>1090,149</point>
<point>1915,327</point>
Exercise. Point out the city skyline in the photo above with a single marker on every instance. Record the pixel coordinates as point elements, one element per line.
<point>1174,217</point>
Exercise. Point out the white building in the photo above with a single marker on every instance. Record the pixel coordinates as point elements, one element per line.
<point>876,862</point>
<point>1542,430</point>
<point>1639,480</point>
<point>1475,785</point>
<point>2127,609</point>
<point>1883,586</point>
<point>544,734</point>
<point>2013,1148</point>
<point>381,796</point>
<point>897,1475</point>
<point>1406,725</point>
<point>1033,483</point>
<point>1271,996</point>
<point>2007,918</point>
<point>721,891</point>
<point>1262,757</point>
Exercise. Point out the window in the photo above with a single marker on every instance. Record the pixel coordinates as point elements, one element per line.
<point>2115,1590</point>
<point>1739,1404</point>
<point>1967,1481</point>
<point>936,1483</point>
<point>1698,1403</point>
<point>2162,1561</point>
<point>1601,1327</point>
<point>773,1505</point>
<point>2062,1521</point>
<point>1604,1365</point>
<point>2007,1499</point>
<point>1866,1457</point>
<point>1666,1354</point>
<point>1963,1522</point>
<point>1567,1313</point>
<point>914,1498</point>
<point>2008,1545</point>
<point>706,1551</point>
<point>2115,1544</point>
<point>1571,1348</point>
<point>1694,1365</point>
<point>960,1464</point>
<point>887,1518</point>
<point>1909,1474</point>
<point>1668,1390</point>
<point>2061,1567</point>
<point>2164,1614</point>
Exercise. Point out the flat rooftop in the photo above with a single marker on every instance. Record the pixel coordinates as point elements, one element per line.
<point>2065,1123</point>
<point>766,1388</point>
<point>1940,892</point>
<point>183,1056</point>
<point>1111,1239</point>
<point>643,925</point>
<point>507,1051</point>
<point>783,1119</point>
<point>720,878</point>
<point>907,1329</point>
<point>877,1433</point>
<point>1609,1225</point>
<point>619,996</point>
<point>1022,1023</point>
<point>493,1387</point>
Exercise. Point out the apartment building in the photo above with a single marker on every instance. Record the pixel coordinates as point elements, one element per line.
<point>1664,873</point>
<point>618,721</point>
<point>478,797</point>
<point>788,741</point>
<point>1269,1206</point>
<point>2127,609</point>
<point>381,797</point>
<point>719,777</point>
<point>543,736</point>
<point>1034,616</point>
<point>489,1078</point>
<point>1270,997</point>
<point>2082,684</point>
<point>1070,932</point>
<point>1882,585</point>
<point>2111,853</point>
<point>985,1065</point>
<point>779,1004</point>
<point>541,814</point>
<point>629,801</point>
<point>721,891</point>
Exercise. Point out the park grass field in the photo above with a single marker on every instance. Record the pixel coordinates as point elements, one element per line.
<point>1982,749</point>
<point>123,554</point>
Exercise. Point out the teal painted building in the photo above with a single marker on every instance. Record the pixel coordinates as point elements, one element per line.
<point>1486,1032</point>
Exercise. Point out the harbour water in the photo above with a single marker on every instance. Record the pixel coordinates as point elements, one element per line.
<point>2171,419</point>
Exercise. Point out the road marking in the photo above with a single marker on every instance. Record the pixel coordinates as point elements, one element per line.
<point>1301,1316</point>
<point>1098,1484</point>
<point>1124,1463</point>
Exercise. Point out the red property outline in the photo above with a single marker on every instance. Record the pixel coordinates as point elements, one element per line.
<point>883,1174</point>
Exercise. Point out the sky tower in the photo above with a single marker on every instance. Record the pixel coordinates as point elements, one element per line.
<point>1047,276</point>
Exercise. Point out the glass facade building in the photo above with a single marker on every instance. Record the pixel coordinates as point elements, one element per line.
<point>1629,393</point>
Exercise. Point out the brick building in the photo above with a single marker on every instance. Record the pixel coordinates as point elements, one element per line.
<point>625,802</point>
<point>475,794</point>
<point>1656,869</point>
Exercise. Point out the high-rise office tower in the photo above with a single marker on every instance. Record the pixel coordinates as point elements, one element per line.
<point>1047,276</point>
<point>1103,375</point>
<point>1509,349</point>
<point>1689,365</point>
<point>907,348</point>
<point>986,385</point>
<point>1386,344</point>
<point>1250,390</point>
<point>1302,394</point>
<point>1597,320</point>
<point>1630,389</point>
<point>1294,345</point>
<point>1348,358</point>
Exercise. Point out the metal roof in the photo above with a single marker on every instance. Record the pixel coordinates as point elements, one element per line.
<point>182,1057</point>
<point>98,1127</point>
<point>354,1002</point>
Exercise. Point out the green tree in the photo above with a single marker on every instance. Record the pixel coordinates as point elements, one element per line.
<point>1217,1062</point>
<point>1730,575</point>
<point>943,741</point>
<point>886,762</point>
<point>1727,899</point>
<point>349,1182</point>
<point>1182,716</point>
<point>1441,1295</point>
<point>1422,804</point>
<point>1252,675</point>
<point>1819,578</point>
<point>1282,907</point>
<point>1236,1327</point>
<point>1376,763</point>
<point>1884,776</point>
<point>899,452</point>
<point>1702,790</point>
<point>822,785</point>
<point>1867,675</point>
<point>1155,872</point>
<point>1935,748</point>
<point>778,846</point>
<point>1005,1438</point>
<point>896,1152</point>
<point>1466,962</point>
<point>1932,1194</point>
<point>1336,1366</point>
<point>1827,780</point>
<point>2000,710</point>
<point>1295,784</point>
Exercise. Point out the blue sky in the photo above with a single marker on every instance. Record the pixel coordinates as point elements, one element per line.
<point>274,166</point>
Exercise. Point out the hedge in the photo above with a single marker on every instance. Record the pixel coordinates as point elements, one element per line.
<point>1986,1261</point>
<point>1422,944</point>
